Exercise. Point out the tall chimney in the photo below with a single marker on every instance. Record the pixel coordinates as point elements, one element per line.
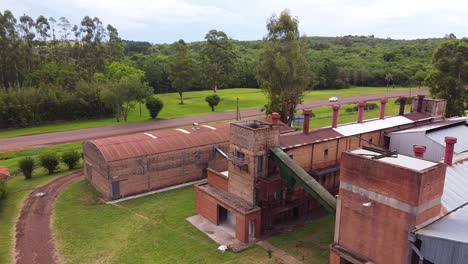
<point>360,111</point>
<point>420,102</point>
<point>419,151</point>
<point>383,103</point>
<point>449,147</point>
<point>307,114</point>
<point>402,105</point>
<point>336,109</point>
<point>275,118</point>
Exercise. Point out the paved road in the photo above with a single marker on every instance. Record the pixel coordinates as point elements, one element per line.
<point>100,132</point>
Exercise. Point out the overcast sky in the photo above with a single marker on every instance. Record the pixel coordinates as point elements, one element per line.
<point>160,21</point>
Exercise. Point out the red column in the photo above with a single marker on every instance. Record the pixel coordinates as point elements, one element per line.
<point>383,103</point>
<point>419,151</point>
<point>275,118</point>
<point>336,109</point>
<point>360,111</point>
<point>402,105</point>
<point>420,102</point>
<point>307,114</point>
<point>449,147</point>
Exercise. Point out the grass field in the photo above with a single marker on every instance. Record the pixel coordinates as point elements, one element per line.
<point>195,105</point>
<point>18,190</point>
<point>150,229</point>
<point>309,243</point>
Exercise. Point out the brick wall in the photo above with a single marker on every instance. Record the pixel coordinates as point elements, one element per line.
<point>217,179</point>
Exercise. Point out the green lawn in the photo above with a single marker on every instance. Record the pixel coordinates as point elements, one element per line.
<point>150,229</point>
<point>195,105</point>
<point>310,242</point>
<point>18,190</point>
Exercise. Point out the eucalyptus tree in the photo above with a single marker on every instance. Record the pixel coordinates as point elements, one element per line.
<point>181,69</point>
<point>283,68</point>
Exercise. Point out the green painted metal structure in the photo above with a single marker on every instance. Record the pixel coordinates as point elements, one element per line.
<point>292,173</point>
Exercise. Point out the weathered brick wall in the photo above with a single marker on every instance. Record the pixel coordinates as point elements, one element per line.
<point>95,169</point>
<point>217,179</point>
<point>242,226</point>
<point>206,206</point>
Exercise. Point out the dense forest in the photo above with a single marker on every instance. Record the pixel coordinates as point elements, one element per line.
<point>52,70</point>
<point>336,62</point>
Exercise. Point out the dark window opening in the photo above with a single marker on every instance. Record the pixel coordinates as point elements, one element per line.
<point>259,165</point>
<point>370,141</point>
<point>222,214</point>
<point>325,153</point>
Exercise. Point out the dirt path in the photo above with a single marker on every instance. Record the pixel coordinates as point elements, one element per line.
<point>99,132</point>
<point>34,236</point>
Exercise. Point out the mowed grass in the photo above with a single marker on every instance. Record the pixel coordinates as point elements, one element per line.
<point>150,229</point>
<point>310,242</point>
<point>18,190</point>
<point>195,105</point>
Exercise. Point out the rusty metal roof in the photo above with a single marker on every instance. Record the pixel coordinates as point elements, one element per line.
<point>160,141</point>
<point>4,173</point>
<point>296,139</point>
<point>283,127</point>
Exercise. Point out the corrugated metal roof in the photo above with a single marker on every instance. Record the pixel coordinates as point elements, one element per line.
<point>460,132</point>
<point>297,139</point>
<point>159,141</point>
<point>372,125</point>
<point>456,185</point>
<point>431,126</point>
<point>4,173</point>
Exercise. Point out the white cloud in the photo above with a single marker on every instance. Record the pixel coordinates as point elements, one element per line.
<point>166,21</point>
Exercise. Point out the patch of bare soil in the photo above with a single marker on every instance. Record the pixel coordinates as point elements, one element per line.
<point>34,239</point>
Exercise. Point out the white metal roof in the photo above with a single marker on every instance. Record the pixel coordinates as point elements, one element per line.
<point>372,125</point>
<point>452,227</point>
<point>460,132</point>
<point>399,160</point>
<point>430,126</point>
<point>456,185</point>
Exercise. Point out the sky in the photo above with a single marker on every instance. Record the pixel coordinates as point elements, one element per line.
<point>160,21</point>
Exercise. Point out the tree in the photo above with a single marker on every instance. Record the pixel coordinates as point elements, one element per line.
<point>449,75</point>
<point>181,69</point>
<point>49,161</point>
<point>212,100</point>
<point>26,166</point>
<point>123,95</point>
<point>283,68</point>
<point>154,106</point>
<point>219,59</point>
<point>117,70</point>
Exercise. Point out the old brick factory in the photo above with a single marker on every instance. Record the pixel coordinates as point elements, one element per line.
<point>261,174</point>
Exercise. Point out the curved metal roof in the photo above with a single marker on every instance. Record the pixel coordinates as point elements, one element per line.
<point>160,141</point>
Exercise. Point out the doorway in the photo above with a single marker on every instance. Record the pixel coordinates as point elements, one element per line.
<point>115,190</point>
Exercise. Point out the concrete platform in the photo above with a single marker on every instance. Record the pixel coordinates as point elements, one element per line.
<point>221,234</point>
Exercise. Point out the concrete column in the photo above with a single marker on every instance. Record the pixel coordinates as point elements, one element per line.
<point>336,109</point>
<point>402,105</point>
<point>360,114</point>
<point>419,151</point>
<point>449,148</point>
<point>307,114</point>
<point>383,103</point>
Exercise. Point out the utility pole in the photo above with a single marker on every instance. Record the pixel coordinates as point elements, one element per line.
<point>238,117</point>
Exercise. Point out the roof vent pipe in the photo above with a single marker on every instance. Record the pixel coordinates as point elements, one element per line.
<point>402,105</point>
<point>383,103</point>
<point>420,102</point>
<point>360,111</point>
<point>336,109</point>
<point>275,118</point>
<point>307,114</point>
<point>449,148</point>
<point>419,151</point>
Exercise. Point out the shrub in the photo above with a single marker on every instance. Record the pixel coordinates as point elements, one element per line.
<point>154,105</point>
<point>3,189</point>
<point>350,109</point>
<point>71,158</point>
<point>212,100</point>
<point>49,161</point>
<point>409,100</point>
<point>26,166</point>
